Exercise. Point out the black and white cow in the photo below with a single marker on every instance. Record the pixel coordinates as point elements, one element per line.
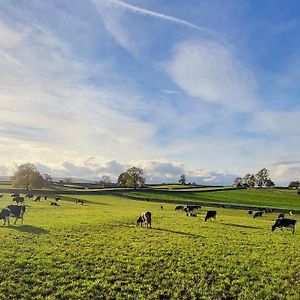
<point>19,200</point>
<point>145,217</point>
<point>29,196</point>
<point>179,207</point>
<point>258,214</point>
<point>211,214</point>
<point>12,211</point>
<point>79,201</point>
<point>282,222</point>
<point>37,199</point>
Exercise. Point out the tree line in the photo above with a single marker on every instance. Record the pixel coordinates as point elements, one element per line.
<point>260,179</point>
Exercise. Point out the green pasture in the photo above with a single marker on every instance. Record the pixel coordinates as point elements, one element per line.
<point>277,198</point>
<point>95,251</point>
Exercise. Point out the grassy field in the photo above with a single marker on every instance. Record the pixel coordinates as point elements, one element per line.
<point>95,251</point>
<point>277,198</point>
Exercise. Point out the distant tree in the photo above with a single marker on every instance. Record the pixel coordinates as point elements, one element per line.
<point>269,183</point>
<point>67,180</point>
<point>47,179</point>
<point>28,176</point>
<point>133,177</point>
<point>106,181</point>
<point>238,182</point>
<point>249,180</point>
<point>261,177</point>
<point>182,179</point>
<point>294,184</point>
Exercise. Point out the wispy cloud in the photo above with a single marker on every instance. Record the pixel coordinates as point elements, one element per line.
<point>150,13</point>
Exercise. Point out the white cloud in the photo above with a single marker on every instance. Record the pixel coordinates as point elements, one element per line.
<point>211,72</point>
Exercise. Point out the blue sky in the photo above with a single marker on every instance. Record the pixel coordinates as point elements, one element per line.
<point>206,88</point>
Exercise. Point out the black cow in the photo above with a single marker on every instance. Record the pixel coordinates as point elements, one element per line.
<point>144,217</point>
<point>179,207</point>
<point>258,214</point>
<point>282,222</point>
<point>12,211</point>
<point>211,214</point>
<point>29,196</point>
<point>19,200</point>
<point>38,198</point>
<point>192,207</point>
<point>280,216</point>
<point>250,212</point>
<point>79,201</point>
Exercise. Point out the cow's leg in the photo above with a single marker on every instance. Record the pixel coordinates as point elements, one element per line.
<point>16,220</point>
<point>7,219</point>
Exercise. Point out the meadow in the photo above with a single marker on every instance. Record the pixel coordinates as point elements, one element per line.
<point>275,198</point>
<point>95,251</point>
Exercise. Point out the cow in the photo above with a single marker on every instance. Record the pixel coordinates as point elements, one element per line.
<point>144,217</point>
<point>79,201</point>
<point>258,214</point>
<point>19,200</point>
<point>191,214</point>
<point>12,211</point>
<point>29,196</point>
<point>282,222</point>
<point>179,207</point>
<point>38,198</point>
<point>192,207</point>
<point>161,207</point>
<point>46,197</point>
<point>1,196</point>
<point>14,195</point>
<point>57,198</point>
<point>250,212</point>
<point>280,216</point>
<point>211,214</point>
<point>53,203</point>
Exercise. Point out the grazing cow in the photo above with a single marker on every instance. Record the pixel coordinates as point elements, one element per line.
<point>280,223</point>
<point>79,201</point>
<point>57,198</point>
<point>192,207</point>
<point>53,203</point>
<point>191,214</point>
<point>29,196</point>
<point>19,200</point>
<point>250,212</point>
<point>280,216</point>
<point>179,207</point>
<point>12,211</point>
<point>211,214</point>
<point>38,198</point>
<point>144,217</point>
<point>14,195</point>
<point>258,214</point>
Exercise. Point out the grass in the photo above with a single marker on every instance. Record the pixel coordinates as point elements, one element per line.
<point>284,199</point>
<point>95,251</point>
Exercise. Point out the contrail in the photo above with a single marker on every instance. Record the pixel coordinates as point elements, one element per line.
<point>146,12</point>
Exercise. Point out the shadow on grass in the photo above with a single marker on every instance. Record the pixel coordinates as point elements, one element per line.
<point>29,228</point>
<point>240,226</point>
<point>180,232</point>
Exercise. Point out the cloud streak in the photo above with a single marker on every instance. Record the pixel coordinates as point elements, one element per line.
<point>150,13</point>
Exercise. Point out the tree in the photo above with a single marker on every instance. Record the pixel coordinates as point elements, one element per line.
<point>294,184</point>
<point>238,182</point>
<point>182,179</point>
<point>106,181</point>
<point>249,180</point>
<point>269,183</point>
<point>28,176</point>
<point>261,177</point>
<point>133,177</point>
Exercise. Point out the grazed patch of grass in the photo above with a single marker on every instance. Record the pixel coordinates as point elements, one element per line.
<point>95,251</point>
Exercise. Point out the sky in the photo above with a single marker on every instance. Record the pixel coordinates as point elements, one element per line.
<point>206,88</point>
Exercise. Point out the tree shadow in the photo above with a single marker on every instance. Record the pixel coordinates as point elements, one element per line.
<point>240,226</point>
<point>193,235</point>
<point>29,229</point>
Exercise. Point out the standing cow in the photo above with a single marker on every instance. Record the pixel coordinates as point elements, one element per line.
<point>145,217</point>
<point>19,200</point>
<point>282,222</point>
<point>12,211</point>
<point>211,214</point>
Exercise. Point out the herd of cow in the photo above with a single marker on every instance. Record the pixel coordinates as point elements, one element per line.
<point>18,211</point>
